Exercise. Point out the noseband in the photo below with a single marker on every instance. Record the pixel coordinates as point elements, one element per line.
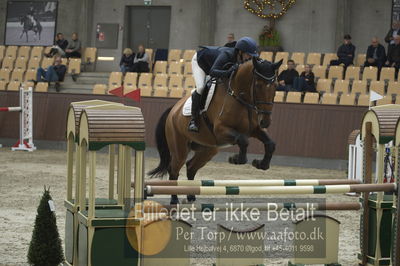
<point>254,103</point>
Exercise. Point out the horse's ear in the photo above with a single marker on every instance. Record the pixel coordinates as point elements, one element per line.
<point>276,65</point>
<point>255,62</point>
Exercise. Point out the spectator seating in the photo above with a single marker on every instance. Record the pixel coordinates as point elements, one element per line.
<point>3,85</point>
<point>384,100</point>
<point>281,68</point>
<point>188,55</point>
<point>74,66</point>
<point>387,74</point>
<point>282,55</point>
<point>352,73</point>
<point>311,98</point>
<point>360,60</point>
<point>8,63</point>
<point>99,89</point>
<point>89,56</point>
<point>160,67</point>
<point>175,86</point>
<point>314,59</point>
<point>335,72</point>
<point>42,87</point>
<point>189,85</point>
<point>144,84</point>
<point>5,75</point>
<point>298,58</point>
<point>279,96</point>
<point>363,100</point>
<point>187,70</point>
<point>324,85</point>
<point>267,56</point>
<point>17,75</point>
<point>30,74</point>
<point>293,97</point>
<point>11,52</point>
<point>46,62</point>
<point>329,98</point>
<point>175,68</point>
<point>378,87</point>
<point>341,86</point>
<point>20,63</point>
<point>2,51</point>
<point>24,52</point>
<point>34,63</point>
<point>393,88</point>
<point>359,86</point>
<point>370,73</point>
<point>328,58</point>
<point>160,85</point>
<point>347,99</point>
<point>174,55</point>
<point>319,72</point>
<point>13,86</point>
<point>300,68</point>
<point>115,80</point>
<point>37,52</point>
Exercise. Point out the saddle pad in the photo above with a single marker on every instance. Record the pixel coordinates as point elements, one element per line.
<point>187,107</point>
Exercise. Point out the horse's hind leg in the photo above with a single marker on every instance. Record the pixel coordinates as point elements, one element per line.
<point>179,152</point>
<point>199,159</point>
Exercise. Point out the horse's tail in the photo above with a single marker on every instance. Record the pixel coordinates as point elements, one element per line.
<point>162,147</point>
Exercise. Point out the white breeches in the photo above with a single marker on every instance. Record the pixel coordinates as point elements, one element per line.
<point>199,75</point>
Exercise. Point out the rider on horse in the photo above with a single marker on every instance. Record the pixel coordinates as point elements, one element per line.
<point>212,61</point>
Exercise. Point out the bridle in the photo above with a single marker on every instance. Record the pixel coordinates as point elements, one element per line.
<point>254,102</point>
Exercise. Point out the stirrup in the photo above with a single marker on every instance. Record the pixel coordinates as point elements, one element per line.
<point>192,126</point>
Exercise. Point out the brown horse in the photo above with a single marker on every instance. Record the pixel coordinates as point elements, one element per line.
<point>241,108</point>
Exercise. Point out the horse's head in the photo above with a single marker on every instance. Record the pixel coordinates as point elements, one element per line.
<point>258,82</point>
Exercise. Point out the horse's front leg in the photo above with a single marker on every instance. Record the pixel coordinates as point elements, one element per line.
<point>269,147</point>
<point>230,136</point>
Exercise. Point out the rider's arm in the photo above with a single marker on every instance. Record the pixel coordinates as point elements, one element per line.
<point>217,70</point>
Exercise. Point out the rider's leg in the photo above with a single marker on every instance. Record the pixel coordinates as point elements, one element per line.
<point>199,78</point>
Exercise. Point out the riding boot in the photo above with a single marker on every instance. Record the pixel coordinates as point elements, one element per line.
<point>193,124</point>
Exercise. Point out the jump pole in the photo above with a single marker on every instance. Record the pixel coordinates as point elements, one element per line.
<point>270,206</point>
<point>269,190</point>
<point>260,182</point>
<point>25,109</point>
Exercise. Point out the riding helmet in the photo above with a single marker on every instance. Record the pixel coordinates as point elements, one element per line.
<point>247,45</point>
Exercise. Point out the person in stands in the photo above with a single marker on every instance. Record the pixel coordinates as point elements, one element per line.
<point>305,83</point>
<point>126,62</point>
<point>74,47</point>
<point>393,32</point>
<point>376,55</point>
<point>345,53</point>
<point>286,77</point>
<point>231,40</point>
<point>54,73</point>
<point>141,60</point>
<point>59,47</point>
<point>393,58</point>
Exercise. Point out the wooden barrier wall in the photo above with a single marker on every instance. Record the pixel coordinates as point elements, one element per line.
<point>319,131</point>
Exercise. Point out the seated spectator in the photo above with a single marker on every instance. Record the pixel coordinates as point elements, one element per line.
<point>231,40</point>
<point>59,47</point>
<point>74,47</point>
<point>393,58</point>
<point>305,83</point>
<point>126,63</point>
<point>345,53</point>
<point>286,77</point>
<point>393,32</point>
<point>376,55</point>
<point>141,61</point>
<point>54,73</point>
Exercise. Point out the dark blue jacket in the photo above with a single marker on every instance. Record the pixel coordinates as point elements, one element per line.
<point>213,60</point>
<point>346,49</point>
<point>380,52</point>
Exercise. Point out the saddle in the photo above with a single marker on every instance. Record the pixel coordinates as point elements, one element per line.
<point>205,101</point>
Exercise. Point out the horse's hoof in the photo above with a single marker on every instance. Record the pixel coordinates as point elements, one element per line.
<point>174,200</point>
<point>259,164</point>
<point>235,159</point>
<point>191,198</point>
